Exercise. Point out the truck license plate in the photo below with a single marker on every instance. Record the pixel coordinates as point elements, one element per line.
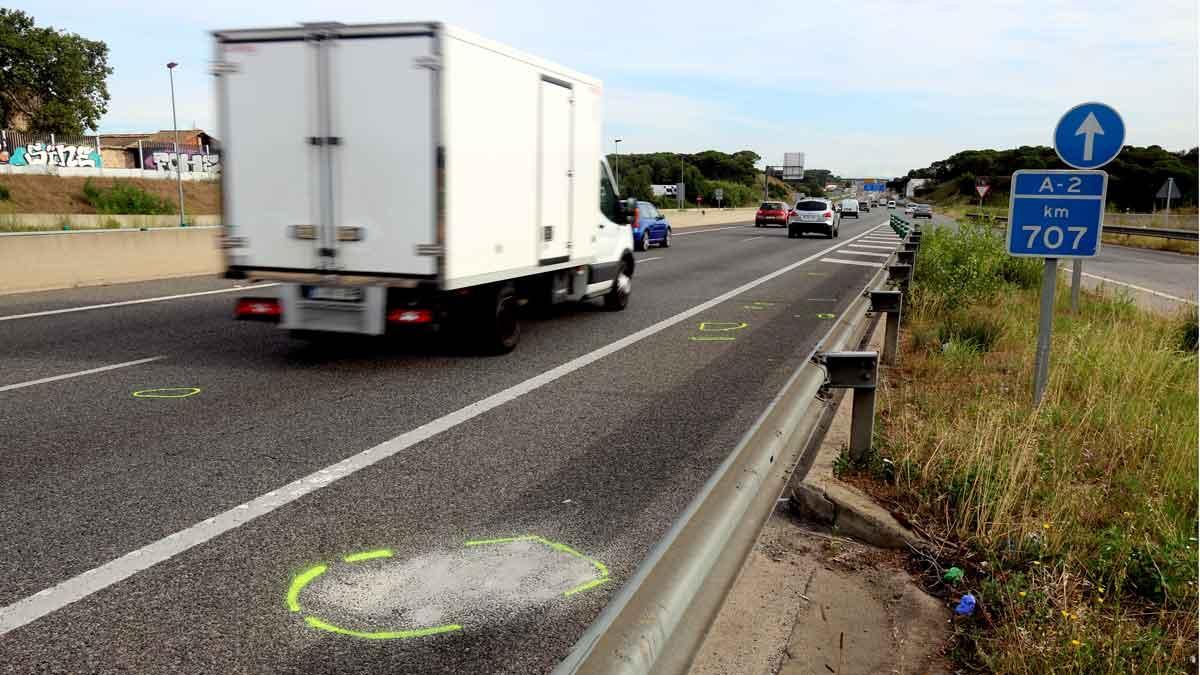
<point>335,293</point>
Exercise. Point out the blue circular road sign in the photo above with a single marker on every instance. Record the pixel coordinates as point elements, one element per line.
<point>1089,136</point>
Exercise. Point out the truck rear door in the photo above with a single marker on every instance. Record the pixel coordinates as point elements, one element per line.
<point>331,150</point>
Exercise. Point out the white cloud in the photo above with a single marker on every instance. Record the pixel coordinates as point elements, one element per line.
<point>937,76</point>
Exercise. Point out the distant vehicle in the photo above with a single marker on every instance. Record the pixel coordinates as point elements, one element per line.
<point>771,213</point>
<point>923,211</point>
<point>651,227</point>
<point>908,210</point>
<point>849,207</point>
<point>864,206</point>
<point>366,236</point>
<point>891,203</point>
<point>813,215</point>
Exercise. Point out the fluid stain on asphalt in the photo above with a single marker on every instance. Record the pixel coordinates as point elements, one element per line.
<point>381,597</point>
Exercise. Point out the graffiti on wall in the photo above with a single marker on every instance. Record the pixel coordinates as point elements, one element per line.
<point>47,154</point>
<point>166,162</point>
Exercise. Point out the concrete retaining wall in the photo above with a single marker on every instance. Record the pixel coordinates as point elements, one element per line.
<point>698,217</point>
<point>40,261</point>
<point>81,221</point>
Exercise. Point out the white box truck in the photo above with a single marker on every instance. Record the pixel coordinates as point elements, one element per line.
<point>413,174</point>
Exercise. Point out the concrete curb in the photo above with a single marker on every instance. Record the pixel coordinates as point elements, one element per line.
<point>820,497</point>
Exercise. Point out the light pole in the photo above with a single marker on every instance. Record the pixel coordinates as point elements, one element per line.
<point>178,159</point>
<point>617,147</point>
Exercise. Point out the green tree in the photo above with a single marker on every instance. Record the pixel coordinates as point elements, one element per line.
<point>51,81</point>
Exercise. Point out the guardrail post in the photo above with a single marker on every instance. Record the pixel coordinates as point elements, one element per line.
<point>906,258</point>
<point>858,371</point>
<point>890,303</point>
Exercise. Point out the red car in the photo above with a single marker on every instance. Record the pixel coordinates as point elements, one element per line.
<point>771,213</point>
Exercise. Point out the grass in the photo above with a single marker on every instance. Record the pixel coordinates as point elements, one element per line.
<point>1154,243</point>
<point>1075,520</point>
<point>123,198</point>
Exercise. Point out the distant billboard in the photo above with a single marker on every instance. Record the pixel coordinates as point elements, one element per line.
<point>664,190</point>
<point>793,166</point>
<point>913,184</point>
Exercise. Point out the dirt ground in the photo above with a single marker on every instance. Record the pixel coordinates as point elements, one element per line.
<point>56,194</point>
<point>807,602</point>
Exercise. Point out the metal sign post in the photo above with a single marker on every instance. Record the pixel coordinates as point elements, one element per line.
<point>1055,214</point>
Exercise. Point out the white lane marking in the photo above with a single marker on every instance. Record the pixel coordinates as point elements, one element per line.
<point>871,253</point>
<point>873,246</point>
<point>123,303</point>
<point>889,240</point>
<point>1135,287</point>
<point>46,601</point>
<point>752,238</point>
<point>80,373</point>
<point>851,262</point>
<point>642,260</point>
<point>715,229</point>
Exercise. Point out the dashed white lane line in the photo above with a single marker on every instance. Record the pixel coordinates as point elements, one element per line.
<point>870,253</point>
<point>715,229</point>
<point>124,303</point>
<point>49,600</point>
<point>646,260</point>
<point>752,238</point>
<point>79,373</point>
<point>839,261</point>
<point>872,246</point>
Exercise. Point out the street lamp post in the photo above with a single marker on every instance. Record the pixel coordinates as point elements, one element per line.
<point>178,159</point>
<point>617,170</point>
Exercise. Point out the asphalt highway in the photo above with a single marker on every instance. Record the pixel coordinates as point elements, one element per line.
<point>270,506</point>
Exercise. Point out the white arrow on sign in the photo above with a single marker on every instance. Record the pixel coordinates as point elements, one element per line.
<point>1090,127</point>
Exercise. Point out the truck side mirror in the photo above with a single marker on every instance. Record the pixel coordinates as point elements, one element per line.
<point>629,210</point>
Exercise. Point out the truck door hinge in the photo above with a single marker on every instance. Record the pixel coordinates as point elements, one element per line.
<point>225,67</point>
<point>427,62</point>
<point>430,249</point>
<point>324,140</point>
<point>327,252</point>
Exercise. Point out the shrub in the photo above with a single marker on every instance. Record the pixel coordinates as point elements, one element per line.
<point>111,224</point>
<point>1186,331</point>
<point>121,198</point>
<point>5,195</point>
<point>978,329</point>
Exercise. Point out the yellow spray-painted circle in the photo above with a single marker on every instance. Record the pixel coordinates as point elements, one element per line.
<point>167,392</point>
<point>824,316</point>
<point>303,579</point>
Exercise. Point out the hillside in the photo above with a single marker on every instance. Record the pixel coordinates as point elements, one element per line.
<point>54,194</point>
<point>1135,176</point>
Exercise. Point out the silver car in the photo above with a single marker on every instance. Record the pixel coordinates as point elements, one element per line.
<point>813,215</point>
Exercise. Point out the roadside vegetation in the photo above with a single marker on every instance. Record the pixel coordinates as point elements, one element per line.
<point>1075,521</point>
<point>122,198</point>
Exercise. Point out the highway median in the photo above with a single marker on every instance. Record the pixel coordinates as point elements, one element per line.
<point>1074,521</point>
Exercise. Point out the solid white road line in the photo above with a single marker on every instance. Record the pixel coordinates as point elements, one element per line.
<point>1066,270</point>
<point>752,238</point>
<point>645,260</point>
<point>33,607</point>
<point>875,247</point>
<point>81,373</point>
<point>715,229</point>
<point>851,262</point>
<point>123,303</point>
<point>870,253</point>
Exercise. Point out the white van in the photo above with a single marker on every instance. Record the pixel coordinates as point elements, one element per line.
<point>471,181</point>
<point>849,208</point>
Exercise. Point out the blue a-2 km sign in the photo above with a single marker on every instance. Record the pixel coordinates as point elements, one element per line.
<point>1056,214</point>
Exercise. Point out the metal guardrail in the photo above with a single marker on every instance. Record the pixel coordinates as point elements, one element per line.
<point>1160,232</point>
<point>659,619</point>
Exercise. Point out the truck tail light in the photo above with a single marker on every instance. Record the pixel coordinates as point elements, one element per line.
<point>257,309</point>
<point>409,316</point>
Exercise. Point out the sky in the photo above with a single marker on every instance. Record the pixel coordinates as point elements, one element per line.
<point>867,88</point>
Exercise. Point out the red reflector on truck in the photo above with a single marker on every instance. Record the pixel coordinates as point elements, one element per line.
<point>410,316</point>
<point>257,308</point>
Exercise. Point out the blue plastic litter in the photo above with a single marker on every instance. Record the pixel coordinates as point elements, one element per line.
<point>966,606</point>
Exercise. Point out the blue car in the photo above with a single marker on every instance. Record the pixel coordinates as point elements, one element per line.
<point>651,227</point>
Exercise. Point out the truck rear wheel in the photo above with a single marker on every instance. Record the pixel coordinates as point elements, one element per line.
<point>500,331</point>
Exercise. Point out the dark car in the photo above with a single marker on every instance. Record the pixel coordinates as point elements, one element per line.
<point>771,213</point>
<point>922,211</point>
